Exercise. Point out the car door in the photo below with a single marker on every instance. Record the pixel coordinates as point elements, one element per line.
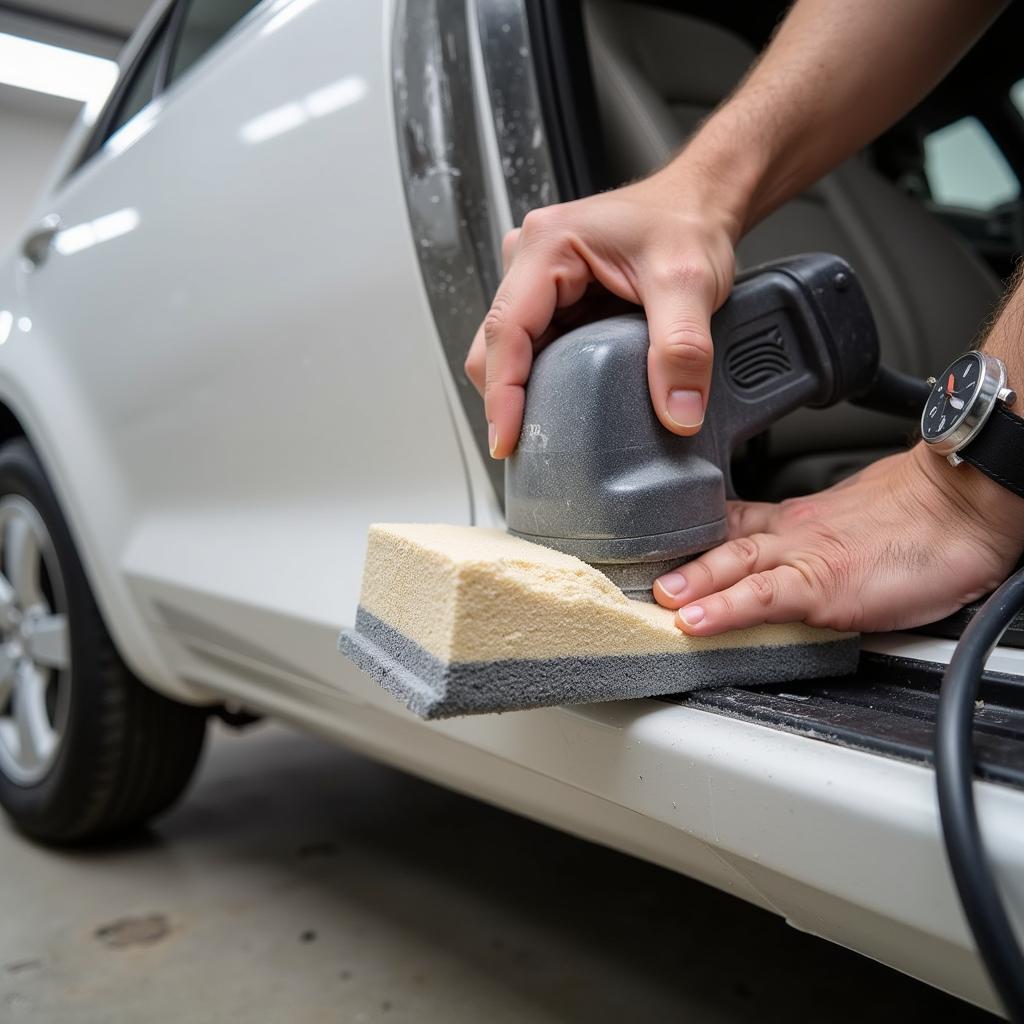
<point>234,289</point>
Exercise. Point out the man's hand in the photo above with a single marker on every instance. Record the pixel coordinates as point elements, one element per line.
<point>658,244</point>
<point>666,243</point>
<point>906,541</point>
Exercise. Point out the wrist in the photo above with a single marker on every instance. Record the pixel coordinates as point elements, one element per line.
<point>720,172</point>
<point>965,493</point>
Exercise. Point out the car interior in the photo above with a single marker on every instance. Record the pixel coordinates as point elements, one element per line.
<point>929,216</point>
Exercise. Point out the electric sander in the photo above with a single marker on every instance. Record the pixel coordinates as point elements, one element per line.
<point>595,473</point>
<point>600,500</point>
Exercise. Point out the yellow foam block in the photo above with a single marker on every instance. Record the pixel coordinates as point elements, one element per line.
<point>459,619</point>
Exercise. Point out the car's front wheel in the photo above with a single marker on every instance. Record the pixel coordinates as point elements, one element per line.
<point>85,748</point>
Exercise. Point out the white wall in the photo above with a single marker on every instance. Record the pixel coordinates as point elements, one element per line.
<point>32,130</point>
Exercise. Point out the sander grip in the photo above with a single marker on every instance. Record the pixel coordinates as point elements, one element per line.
<point>794,333</point>
<point>596,475</point>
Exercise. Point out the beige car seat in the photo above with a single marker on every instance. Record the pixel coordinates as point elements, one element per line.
<point>657,73</point>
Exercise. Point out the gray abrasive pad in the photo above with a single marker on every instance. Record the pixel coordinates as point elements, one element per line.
<point>437,689</point>
<point>457,620</point>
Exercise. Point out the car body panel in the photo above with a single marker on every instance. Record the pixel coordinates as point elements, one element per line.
<point>842,843</point>
<point>225,402</point>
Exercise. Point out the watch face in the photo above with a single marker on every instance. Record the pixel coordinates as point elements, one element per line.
<point>952,397</point>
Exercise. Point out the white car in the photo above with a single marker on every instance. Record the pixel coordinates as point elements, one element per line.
<point>233,337</point>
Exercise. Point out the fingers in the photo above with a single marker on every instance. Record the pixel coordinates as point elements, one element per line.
<point>782,594</point>
<point>509,245</point>
<point>476,360</point>
<point>743,518</point>
<point>717,569</point>
<point>679,305</point>
<point>547,273</point>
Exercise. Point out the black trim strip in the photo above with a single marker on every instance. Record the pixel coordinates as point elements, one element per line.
<point>889,707</point>
<point>175,19</point>
<point>110,111</point>
<point>442,160</point>
<point>565,91</point>
<point>951,627</point>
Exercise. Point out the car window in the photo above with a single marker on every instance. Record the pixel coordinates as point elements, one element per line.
<point>205,22</point>
<point>966,168</point>
<point>139,91</point>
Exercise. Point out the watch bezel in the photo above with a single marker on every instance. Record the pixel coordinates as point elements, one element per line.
<point>992,381</point>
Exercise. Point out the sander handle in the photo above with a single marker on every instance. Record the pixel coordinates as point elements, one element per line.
<point>798,332</point>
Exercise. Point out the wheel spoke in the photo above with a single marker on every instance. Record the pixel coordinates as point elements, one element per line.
<point>47,641</point>
<point>21,559</point>
<point>7,665</point>
<point>6,596</point>
<point>36,737</point>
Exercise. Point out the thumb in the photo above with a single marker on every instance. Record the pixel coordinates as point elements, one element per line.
<point>681,354</point>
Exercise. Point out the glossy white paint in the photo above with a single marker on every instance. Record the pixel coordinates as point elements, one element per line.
<point>229,368</point>
<point>244,404</point>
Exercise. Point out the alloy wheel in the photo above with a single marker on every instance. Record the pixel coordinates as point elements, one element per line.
<point>35,663</point>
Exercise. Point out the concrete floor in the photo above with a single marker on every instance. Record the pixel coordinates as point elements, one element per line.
<point>300,883</point>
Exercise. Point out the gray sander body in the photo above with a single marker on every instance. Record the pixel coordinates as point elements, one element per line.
<point>595,473</point>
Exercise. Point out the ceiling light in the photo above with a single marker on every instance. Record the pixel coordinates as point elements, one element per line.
<point>29,64</point>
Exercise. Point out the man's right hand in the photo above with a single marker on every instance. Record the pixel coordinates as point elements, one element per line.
<point>656,244</point>
<point>815,97</point>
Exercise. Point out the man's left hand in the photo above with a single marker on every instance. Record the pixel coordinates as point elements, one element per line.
<point>907,540</point>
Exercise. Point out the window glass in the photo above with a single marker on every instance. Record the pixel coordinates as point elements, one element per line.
<point>140,89</point>
<point>1017,95</point>
<point>206,22</point>
<point>966,168</point>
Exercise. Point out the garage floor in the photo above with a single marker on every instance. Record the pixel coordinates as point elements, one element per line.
<point>301,883</point>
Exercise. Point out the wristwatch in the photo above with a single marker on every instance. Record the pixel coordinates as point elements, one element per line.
<point>966,418</point>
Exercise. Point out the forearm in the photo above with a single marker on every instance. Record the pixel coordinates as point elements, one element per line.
<point>835,76</point>
<point>1005,338</point>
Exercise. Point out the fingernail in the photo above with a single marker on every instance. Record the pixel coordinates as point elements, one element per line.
<point>692,614</point>
<point>673,583</point>
<point>492,438</point>
<point>685,408</point>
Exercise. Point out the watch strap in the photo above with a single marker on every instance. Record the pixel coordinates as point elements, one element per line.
<point>998,450</point>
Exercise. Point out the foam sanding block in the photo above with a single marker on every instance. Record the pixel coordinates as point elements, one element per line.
<point>457,620</point>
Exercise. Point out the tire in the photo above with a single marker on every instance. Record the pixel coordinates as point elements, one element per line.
<point>86,749</point>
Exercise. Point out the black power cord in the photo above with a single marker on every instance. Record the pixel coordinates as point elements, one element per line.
<point>954,776</point>
<point>896,393</point>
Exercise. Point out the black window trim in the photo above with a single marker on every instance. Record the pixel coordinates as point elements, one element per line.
<point>175,21</point>
<point>159,36</point>
<point>171,19</point>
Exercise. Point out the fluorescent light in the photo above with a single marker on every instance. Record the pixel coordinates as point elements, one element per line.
<point>6,323</point>
<point>40,67</point>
